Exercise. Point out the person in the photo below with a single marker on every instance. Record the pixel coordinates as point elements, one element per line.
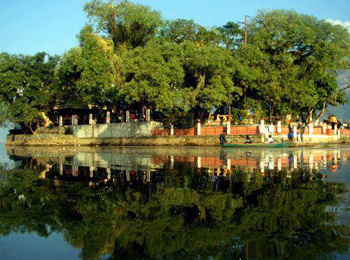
<point>290,132</point>
<point>340,124</point>
<point>270,140</point>
<point>333,121</point>
<point>223,138</point>
<point>302,130</point>
<point>248,141</point>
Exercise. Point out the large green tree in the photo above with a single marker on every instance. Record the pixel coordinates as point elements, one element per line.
<point>27,88</point>
<point>87,74</point>
<point>299,57</point>
<point>125,23</point>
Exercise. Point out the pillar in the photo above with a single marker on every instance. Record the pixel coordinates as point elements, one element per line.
<point>311,129</point>
<point>127,116</point>
<point>295,132</point>
<point>324,128</point>
<point>148,172</point>
<point>90,119</point>
<point>228,127</point>
<point>279,164</point>
<point>61,168</point>
<point>109,173</point>
<point>279,127</point>
<point>262,131</point>
<point>199,128</point>
<point>108,117</point>
<point>262,127</point>
<point>172,161</point>
<point>60,121</point>
<point>91,170</point>
<point>228,164</point>
<point>335,130</point>
<point>171,129</point>
<point>199,162</point>
<point>148,115</point>
<point>295,161</point>
<point>311,161</point>
<point>73,119</point>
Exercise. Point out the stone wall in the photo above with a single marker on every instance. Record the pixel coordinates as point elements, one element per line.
<point>118,130</point>
<point>71,140</point>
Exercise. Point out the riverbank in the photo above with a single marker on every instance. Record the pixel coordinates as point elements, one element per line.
<point>71,140</point>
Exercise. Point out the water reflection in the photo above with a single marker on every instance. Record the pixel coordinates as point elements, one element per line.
<point>165,203</point>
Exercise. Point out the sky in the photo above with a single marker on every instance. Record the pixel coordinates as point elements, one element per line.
<point>30,26</point>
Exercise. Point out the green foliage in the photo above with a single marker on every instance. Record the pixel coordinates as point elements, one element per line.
<point>179,215</point>
<point>27,86</point>
<point>125,23</point>
<point>130,58</point>
<point>296,62</point>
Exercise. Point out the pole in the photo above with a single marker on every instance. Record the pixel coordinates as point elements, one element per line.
<point>245,31</point>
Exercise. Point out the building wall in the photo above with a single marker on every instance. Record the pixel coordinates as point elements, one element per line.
<point>117,130</point>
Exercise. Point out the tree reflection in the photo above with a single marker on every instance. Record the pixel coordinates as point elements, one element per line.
<point>183,213</point>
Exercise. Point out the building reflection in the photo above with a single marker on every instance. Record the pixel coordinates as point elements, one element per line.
<point>111,167</point>
<point>182,204</point>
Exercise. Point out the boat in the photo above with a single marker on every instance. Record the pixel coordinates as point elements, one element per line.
<point>253,145</point>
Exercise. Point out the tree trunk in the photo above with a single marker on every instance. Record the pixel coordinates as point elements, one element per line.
<point>323,110</point>
<point>310,115</point>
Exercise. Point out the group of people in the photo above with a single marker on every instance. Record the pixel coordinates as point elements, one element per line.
<point>301,127</point>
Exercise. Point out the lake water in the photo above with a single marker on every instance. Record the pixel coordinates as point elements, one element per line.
<point>174,203</point>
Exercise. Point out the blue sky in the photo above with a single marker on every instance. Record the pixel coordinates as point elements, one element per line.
<point>30,26</point>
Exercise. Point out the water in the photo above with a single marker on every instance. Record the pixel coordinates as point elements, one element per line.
<point>174,203</point>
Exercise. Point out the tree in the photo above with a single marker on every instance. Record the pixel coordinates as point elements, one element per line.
<point>230,34</point>
<point>125,23</point>
<point>290,63</point>
<point>154,76</point>
<point>209,74</point>
<point>304,55</point>
<point>98,74</point>
<point>67,75</point>
<point>87,74</point>
<point>27,87</point>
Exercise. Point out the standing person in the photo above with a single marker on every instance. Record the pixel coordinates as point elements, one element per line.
<point>333,121</point>
<point>223,138</point>
<point>290,132</point>
<point>302,130</point>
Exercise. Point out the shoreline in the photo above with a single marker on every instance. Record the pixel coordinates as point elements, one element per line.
<point>71,140</point>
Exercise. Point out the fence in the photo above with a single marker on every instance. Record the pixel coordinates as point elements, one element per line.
<point>239,130</point>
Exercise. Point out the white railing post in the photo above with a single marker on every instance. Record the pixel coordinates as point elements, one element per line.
<point>108,117</point>
<point>90,119</point>
<point>228,127</point>
<point>295,133</point>
<point>311,129</point>
<point>148,114</point>
<point>262,127</point>
<point>127,116</point>
<point>324,128</point>
<point>199,128</point>
<point>171,129</point>
<point>279,127</point>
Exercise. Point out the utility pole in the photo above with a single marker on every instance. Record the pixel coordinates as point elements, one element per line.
<point>246,24</point>
<point>245,30</point>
